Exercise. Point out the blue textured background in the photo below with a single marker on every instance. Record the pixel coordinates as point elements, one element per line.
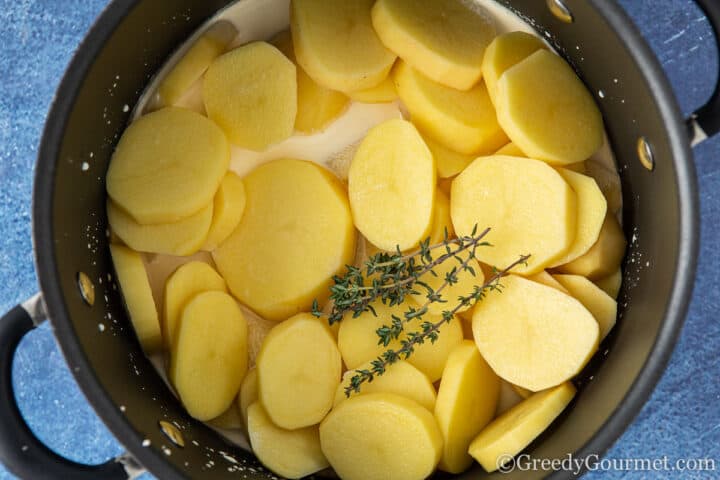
<point>38,38</point>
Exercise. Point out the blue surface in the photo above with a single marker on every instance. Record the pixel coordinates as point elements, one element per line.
<point>38,37</point>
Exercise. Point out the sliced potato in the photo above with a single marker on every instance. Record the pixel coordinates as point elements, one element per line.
<point>336,45</point>
<point>611,284</point>
<point>135,287</point>
<point>449,163</point>
<point>167,166</point>
<point>249,394</point>
<point>604,257</point>
<point>181,238</point>
<point>600,304</point>
<point>393,166</point>
<point>209,357</point>
<point>450,51</point>
<point>299,369</point>
<point>230,420</point>
<point>400,378</point>
<point>288,453</point>
<point>251,93</point>
<point>528,206</point>
<point>379,436</point>
<point>511,432</point>
<point>505,51</point>
<point>548,280</point>
<point>546,110</point>
<point>384,92</point>
<point>296,233</point>
<point>182,286</point>
<point>442,223</point>
<point>466,403</point>
<point>464,122</point>
<point>564,335</point>
<point>228,208</point>
<point>511,150</point>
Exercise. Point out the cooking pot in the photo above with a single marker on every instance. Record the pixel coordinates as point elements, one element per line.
<point>130,41</point>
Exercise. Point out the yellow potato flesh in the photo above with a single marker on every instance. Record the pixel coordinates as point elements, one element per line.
<point>604,256</point>
<point>400,378</point>
<point>449,163</point>
<point>183,285</point>
<point>591,210</point>
<point>442,223</point>
<point>249,394</point>
<point>546,110</point>
<point>600,304</point>
<point>466,403</point>
<point>548,280</point>
<point>391,185</point>
<point>505,51</point>
<point>449,51</point>
<point>527,205</point>
<point>378,436</point>
<point>384,92</point>
<point>167,166</point>
<point>299,369</point>
<point>511,150</point>
<point>534,336</point>
<point>463,121</point>
<point>209,357</point>
<point>288,453</point>
<point>336,45</point>
<point>230,420</point>
<point>611,284</point>
<point>465,285</point>
<point>228,208</point>
<point>195,62</point>
<point>514,430</point>
<point>251,93</point>
<point>181,238</point>
<point>135,287</point>
<point>295,234</point>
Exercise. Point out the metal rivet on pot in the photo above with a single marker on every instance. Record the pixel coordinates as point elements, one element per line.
<point>645,154</point>
<point>172,432</point>
<point>87,288</point>
<point>560,10</point>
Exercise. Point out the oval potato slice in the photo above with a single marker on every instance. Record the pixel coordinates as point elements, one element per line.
<point>505,51</point>
<point>604,257</point>
<point>384,92</point>
<point>600,304</point>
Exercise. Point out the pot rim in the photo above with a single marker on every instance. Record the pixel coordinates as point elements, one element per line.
<point>154,461</point>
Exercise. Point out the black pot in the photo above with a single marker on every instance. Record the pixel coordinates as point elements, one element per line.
<point>132,38</point>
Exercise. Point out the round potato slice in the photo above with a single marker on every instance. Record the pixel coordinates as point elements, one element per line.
<point>546,110</point>
<point>295,234</point>
<point>505,51</point>
<point>379,436</point>
<point>600,304</point>
<point>604,257</point>
<point>611,284</point>
<point>382,93</point>
<point>534,336</point>
<point>528,206</point>
<point>449,51</point>
<point>336,44</point>
<point>209,357</point>
<point>449,163</point>
<point>228,208</point>
<point>251,93</point>
<point>391,185</point>
<point>298,370</point>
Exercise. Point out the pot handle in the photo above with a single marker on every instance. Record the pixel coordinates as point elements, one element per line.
<point>705,122</point>
<point>20,450</point>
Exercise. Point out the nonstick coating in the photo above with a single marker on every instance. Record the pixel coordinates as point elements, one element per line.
<point>129,43</point>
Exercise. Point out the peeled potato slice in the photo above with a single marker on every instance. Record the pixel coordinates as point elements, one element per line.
<point>251,93</point>
<point>449,51</point>
<point>449,163</point>
<point>604,256</point>
<point>511,150</point>
<point>336,45</point>
<point>231,419</point>
<point>288,453</point>
<point>611,284</point>
<point>466,403</point>
<point>511,432</point>
<point>378,436</point>
<point>299,368</point>
<point>183,285</point>
<point>546,110</point>
<point>295,234</point>
<point>167,166</point>
<point>228,208</point>
<point>384,92</point>
<point>249,394</point>
<point>600,304</point>
<point>591,210</point>
<point>527,205</point>
<point>136,291</point>
<point>442,223</point>
<point>209,357</point>
<point>393,167</point>
<point>505,51</point>
<point>181,238</point>
<point>400,378</point>
<point>548,280</point>
<point>534,336</point>
<point>464,122</point>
